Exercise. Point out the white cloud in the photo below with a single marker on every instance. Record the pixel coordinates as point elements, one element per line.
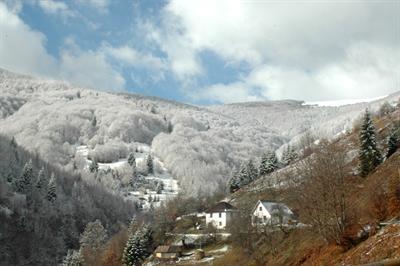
<point>89,68</point>
<point>55,7</point>
<point>132,57</point>
<point>294,49</point>
<point>226,93</point>
<point>23,50</point>
<point>367,71</point>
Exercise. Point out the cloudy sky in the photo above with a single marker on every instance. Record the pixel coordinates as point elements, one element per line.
<point>208,51</point>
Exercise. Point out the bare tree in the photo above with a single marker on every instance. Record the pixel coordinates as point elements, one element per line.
<point>322,191</point>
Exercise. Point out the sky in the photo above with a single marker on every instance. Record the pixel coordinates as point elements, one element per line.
<point>208,51</point>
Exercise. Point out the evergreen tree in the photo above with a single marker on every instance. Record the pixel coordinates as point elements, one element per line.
<point>393,142</point>
<point>251,172</point>
<point>93,237</point>
<point>269,163</point>
<point>288,156</point>
<point>134,177</point>
<point>234,182</point>
<point>24,183</point>
<point>94,121</point>
<point>146,239</point>
<point>133,251</point>
<point>41,182</point>
<point>138,246</point>
<point>150,166</point>
<point>73,258</point>
<point>132,159</point>
<point>94,166</point>
<point>51,189</point>
<point>369,155</point>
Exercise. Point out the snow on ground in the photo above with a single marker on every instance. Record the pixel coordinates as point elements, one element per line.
<point>343,102</point>
<point>148,198</point>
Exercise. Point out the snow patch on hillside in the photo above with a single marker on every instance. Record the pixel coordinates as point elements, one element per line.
<point>147,198</point>
<point>344,102</point>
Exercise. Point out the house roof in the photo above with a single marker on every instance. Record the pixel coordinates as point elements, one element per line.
<point>168,249</point>
<point>221,207</point>
<point>275,208</point>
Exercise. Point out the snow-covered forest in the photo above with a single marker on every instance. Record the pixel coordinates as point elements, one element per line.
<point>200,146</point>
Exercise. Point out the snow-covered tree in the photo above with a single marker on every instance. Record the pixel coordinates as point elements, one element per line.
<point>73,258</point>
<point>269,163</point>
<point>234,183</point>
<point>159,187</point>
<point>23,184</point>
<point>131,159</point>
<point>369,154</point>
<point>51,189</point>
<point>251,172</point>
<point>393,142</point>
<point>247,173</point>
<point>134,251</point>
<point>94,121</point>
<point>94,236</point>
<point>94,166</point>
<point>41,182</point>
<point>149,163</point>
<point>288,156</point>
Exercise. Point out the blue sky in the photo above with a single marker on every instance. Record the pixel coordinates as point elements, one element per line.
<point>210,51</point>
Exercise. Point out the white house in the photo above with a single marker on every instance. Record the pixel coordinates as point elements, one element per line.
<point>220,215</point>
<point>272,213</point>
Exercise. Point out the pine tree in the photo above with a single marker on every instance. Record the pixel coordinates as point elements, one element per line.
<point>288,156</point>
<point>73,258</point>
<point>24,183</point>
<point>132,159</point>
<point>234,182</point>
<point>94,166</point>
<point>51,189</point>
<point>269,163</point>
<point>369,155</point>
<point>41,182</point>
<point>393,142</point>
<point>251,172</point>
<point>134,177</point>
<point>133,251</point>
<point>149,162</point>
<point>94,121</point>
<point>93,237</point>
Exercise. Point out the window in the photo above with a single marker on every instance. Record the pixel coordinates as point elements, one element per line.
<point>260,208</point>
<point>220,224</point>
<point>220,215</point>
<point>265,218</point>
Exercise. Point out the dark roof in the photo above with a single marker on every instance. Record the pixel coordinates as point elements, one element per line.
<point>168,249</point>
<point>221,207</point>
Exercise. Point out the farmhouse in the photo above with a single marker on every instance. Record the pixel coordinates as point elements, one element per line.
<point>168,252</point>
<point>272,213</point>
<point>220,215</point>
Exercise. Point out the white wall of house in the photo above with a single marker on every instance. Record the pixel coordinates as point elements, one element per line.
<point>218,219</point>
<point>261,215</point>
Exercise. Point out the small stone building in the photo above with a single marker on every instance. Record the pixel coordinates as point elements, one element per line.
<point>168,252</point>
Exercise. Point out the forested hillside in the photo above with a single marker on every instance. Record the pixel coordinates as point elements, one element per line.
<point>43,210</point>
<point>199,145</point>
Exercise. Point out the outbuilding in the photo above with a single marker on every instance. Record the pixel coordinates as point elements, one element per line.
<point>168,252</point>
